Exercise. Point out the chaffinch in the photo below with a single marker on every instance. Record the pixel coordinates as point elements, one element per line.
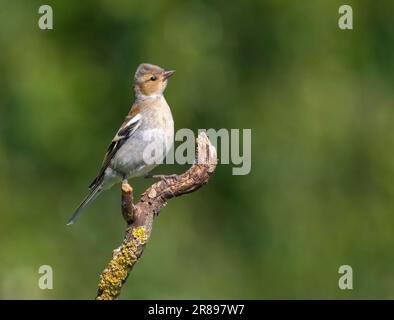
<point>149,117</point>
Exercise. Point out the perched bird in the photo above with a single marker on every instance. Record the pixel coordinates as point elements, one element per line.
<point>149,117</point>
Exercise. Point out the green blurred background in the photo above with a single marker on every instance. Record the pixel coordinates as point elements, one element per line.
<point>319,102</point>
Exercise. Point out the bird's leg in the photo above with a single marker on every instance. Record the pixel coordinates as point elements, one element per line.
<point>127,202</point>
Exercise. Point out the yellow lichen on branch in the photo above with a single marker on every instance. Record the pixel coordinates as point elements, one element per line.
<point>118,268</point>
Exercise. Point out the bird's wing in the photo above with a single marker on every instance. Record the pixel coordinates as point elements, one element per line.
<point>129,126</point>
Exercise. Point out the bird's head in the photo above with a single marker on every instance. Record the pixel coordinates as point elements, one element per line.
<point>150,80</point>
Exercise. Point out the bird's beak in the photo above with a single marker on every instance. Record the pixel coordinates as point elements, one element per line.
<point>167,74</point>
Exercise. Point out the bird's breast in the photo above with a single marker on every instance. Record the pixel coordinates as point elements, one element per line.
<point>149,144</point>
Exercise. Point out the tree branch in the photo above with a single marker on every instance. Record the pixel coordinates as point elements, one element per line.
<point>140,217</point>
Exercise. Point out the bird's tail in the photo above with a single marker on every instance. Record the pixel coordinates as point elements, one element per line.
<point>94,192</point>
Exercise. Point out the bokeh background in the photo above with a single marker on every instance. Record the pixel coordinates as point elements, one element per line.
<point>319,102</point>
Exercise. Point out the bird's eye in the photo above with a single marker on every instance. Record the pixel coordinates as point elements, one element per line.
<point>153,78</point>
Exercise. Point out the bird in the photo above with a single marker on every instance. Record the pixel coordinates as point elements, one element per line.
<point>148,126</point>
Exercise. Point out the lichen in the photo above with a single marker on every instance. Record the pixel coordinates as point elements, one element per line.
<point>140,234</point>
<point>117,270</point>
